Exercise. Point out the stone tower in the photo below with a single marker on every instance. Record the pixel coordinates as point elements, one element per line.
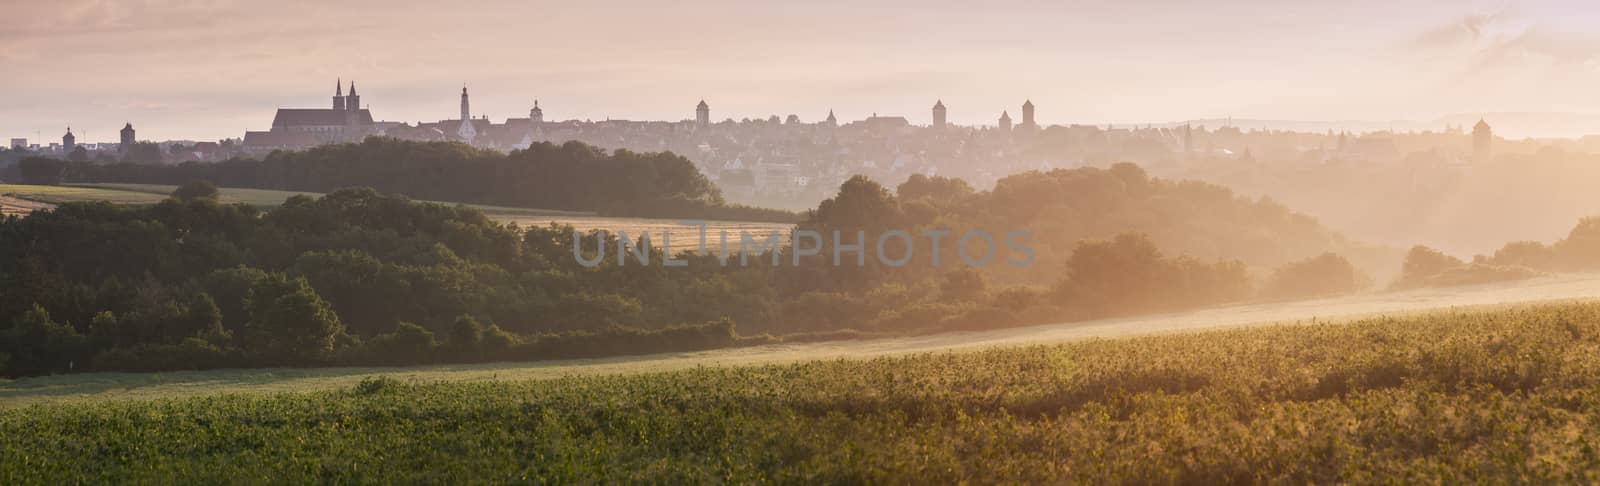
<point>1005,121</point>
<point>702,114</point>
<point>68,142</point>
<point>938,114</point>
<point>127,138</point>
<point>1027,115</point>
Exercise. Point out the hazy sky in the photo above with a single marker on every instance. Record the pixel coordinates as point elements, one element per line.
<point>209,69</point>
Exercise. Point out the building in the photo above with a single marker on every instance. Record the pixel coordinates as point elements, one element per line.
<point>702,114</point>
<point>1027,116</point>
<point>127,138</point>
<point>1005,121</point>
<point>300,128</point>
<point>938,114</point>
<point>1482,138</point>
<point>68,141</point>
<point>19,143</point>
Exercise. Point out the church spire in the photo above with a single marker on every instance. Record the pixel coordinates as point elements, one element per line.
<point>338,94</point>
<point>466,107</point>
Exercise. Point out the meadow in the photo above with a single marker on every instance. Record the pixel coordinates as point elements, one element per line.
<point>1497,396</point>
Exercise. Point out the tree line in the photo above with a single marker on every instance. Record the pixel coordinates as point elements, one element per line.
<point>572,176</point>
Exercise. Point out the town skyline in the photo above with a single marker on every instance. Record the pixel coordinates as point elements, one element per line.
<point>1523,124</point>
<point>207,71</point>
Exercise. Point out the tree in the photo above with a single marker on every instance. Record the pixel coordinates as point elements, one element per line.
<point>196,190</point>
<point>37,344</point>
<point>290,323</point>
<point>966,284</point>
<point>408,343</point>
<point>466,337</point>
<point>41,170</point>
<point>143,152</point>
<point>1422,263</point>
<point>1326,274</point>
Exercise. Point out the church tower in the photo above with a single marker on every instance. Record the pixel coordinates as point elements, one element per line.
<point>1482,138</point>
<point>831,120</point>
<point>467,132</point>
<point>536,115</point>
<point>1005,122</point>
<point>127,138</point>
<point>1027,115</point>
<point>353,102</point>
<point>338,95</point>
<point>702,114</point>
<point>68,142</point>
<point>938,114</point>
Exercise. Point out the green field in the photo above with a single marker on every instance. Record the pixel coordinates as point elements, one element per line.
<point>1504,396</point>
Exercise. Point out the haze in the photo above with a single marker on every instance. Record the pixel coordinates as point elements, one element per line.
<point>206,70</point>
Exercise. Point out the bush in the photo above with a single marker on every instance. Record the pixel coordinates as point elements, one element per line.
<point>196,190</point>
<point>1423,263</point>
<point>192,354</point>
<point>407,344</point>
<point>1323,275</point>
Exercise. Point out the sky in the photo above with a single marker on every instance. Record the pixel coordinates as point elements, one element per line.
<point>210,69</point>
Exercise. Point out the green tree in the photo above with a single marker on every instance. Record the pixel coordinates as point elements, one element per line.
<point>466,337</point>
<point>290,323</point>
<point>197,190</point>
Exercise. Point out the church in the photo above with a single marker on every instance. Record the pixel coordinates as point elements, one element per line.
<point>301,128</point>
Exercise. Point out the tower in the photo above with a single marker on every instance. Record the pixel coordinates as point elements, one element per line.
<point>1188,140</point>
<point>1005,122</point>
<point>1027,115</point>
<point>127,138</point>
<point>536,115</point>
<point>68,142</point>
<point>702,114</point>
<point>338,94</point>
<point>352,102</point>
<point>1482,137</point>
<point>938,114</point>
<point>466,131</point>
<point>831,120</point>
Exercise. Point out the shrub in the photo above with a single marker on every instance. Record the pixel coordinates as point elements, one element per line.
<point>196,190</point>
<point>1326,274</point>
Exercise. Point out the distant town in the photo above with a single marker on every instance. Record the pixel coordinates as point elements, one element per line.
<point>789,162</point>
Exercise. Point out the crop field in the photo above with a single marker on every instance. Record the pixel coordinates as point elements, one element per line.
<point>1503,396</point>
<point>66,194</point>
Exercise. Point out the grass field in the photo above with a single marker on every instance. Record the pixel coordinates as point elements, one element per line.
<point>1507,396</point>
<point>1502,396</point>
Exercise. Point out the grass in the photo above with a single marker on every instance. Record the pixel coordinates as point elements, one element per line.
<point>1505,396</point>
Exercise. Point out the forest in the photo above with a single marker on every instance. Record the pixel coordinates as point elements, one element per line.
<point>359,277</point>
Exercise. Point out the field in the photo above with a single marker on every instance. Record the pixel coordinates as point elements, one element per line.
<point>684,237</point>
<point>1496,396</point>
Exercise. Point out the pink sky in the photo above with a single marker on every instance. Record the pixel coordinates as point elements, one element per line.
<point>214,68</point>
